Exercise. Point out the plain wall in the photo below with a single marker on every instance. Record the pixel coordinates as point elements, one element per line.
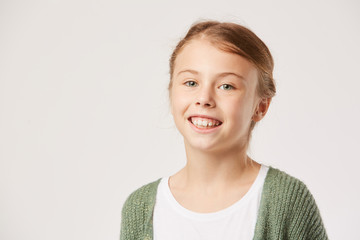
<point>84,112</point>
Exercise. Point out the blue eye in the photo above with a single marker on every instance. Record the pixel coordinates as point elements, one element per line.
<point>191,83</point>
<point>226,87</point>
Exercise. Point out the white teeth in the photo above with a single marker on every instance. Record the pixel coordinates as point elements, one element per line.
<point>203,123</point>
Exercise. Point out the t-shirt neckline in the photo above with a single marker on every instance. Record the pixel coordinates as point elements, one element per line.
<point>218,214</point>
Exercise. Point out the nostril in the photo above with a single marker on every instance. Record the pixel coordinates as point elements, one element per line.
<point>205,103</point>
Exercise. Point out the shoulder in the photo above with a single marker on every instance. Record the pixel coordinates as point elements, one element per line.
<point>276,176</point>
<point>285,190</point>
<point>142,196</point>
<point>137,211</point>
<point>283,183</point>
<point>287,200</point>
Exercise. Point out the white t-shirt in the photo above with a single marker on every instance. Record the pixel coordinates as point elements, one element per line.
<point>173,221</point>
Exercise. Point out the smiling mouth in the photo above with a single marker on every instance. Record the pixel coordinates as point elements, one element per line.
<point>201,122</point>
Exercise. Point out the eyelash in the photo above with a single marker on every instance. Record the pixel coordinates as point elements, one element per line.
<point>193,82</point>
<point>231,87</point>
<point>188,82</point>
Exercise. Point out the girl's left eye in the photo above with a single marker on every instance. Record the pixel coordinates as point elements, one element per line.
<point>226,87</point>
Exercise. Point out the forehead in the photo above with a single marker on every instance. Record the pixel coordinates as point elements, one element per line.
<point>203,56</point>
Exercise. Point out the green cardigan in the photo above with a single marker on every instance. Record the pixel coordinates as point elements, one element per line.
<point>287,211</point>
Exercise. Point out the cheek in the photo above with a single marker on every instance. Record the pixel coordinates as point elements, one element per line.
<point>178,103</point>
<point>240,111</point>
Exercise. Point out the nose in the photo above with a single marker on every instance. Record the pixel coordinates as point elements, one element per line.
<point>205,98</point>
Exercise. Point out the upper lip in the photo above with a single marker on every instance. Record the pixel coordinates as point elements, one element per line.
<point>203,116</point>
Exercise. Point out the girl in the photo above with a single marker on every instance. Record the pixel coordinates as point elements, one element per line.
<point>221,85</point>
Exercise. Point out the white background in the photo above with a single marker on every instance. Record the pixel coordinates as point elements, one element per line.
<point>84,117</point>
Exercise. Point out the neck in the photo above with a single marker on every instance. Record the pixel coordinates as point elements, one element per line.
<point>211,171</point>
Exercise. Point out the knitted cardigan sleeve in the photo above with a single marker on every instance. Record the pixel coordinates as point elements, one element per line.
<point>288,210</point>
<point>136,218</point>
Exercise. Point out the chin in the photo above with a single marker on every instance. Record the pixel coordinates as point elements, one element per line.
<point>203,145</point>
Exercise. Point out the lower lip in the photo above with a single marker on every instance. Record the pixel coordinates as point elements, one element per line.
<point>203,130</point>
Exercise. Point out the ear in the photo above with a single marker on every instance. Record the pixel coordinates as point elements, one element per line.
<point>261,109</point>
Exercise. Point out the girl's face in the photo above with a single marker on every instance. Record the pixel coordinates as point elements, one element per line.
<point>213,97</point>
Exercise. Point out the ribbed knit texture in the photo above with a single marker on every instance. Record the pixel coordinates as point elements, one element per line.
<point>287,211</point>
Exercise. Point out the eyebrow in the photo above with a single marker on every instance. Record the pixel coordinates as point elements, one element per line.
<point>223,74</point>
